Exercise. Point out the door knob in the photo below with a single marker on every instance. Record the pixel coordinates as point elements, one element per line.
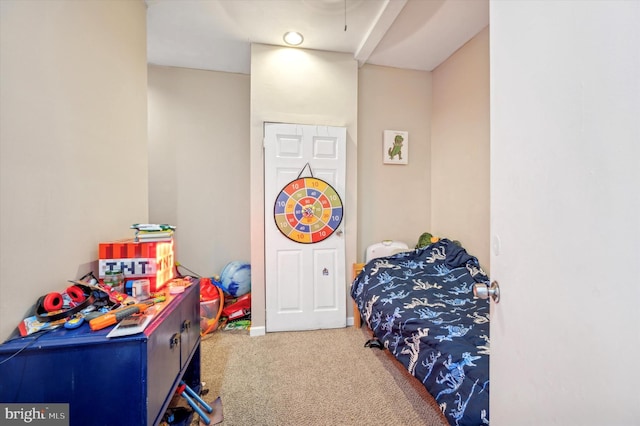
<point>483,291</point>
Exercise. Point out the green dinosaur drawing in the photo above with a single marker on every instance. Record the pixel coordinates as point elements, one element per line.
<point>396,149</point>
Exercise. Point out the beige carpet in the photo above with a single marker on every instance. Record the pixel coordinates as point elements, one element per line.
<point>323,377</point>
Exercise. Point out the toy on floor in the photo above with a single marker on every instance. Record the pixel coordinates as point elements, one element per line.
<point>187,393</point>
<point>235,278</point>
<point>211,304</point>
<point>237,308</point>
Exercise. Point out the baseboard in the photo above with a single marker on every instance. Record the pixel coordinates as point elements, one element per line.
<point>261,331</point>
<point>257,331</point>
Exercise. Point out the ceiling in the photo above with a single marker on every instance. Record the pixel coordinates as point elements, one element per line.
<point>217,34</point>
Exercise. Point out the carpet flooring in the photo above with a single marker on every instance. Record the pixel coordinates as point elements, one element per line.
<point>322,377</point>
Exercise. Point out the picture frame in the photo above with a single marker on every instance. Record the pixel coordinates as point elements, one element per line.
<point>395,147</point>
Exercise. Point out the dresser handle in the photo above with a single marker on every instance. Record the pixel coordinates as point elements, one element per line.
<point>174,341</point>
<point>186,325</point>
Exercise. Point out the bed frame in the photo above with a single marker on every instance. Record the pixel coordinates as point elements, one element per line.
<point>357,320</point>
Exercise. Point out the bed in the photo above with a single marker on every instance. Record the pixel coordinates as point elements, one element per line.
<point>419,305</point>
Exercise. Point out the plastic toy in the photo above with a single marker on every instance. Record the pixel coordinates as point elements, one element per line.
<point>235,278</point>
<point>187,393</point>
<point>112,317</point>
<point>211,299</point>
<point>238,308</point>
<point>74,322</point>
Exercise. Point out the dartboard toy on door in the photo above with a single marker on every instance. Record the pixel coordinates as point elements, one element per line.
<point>308,210</point>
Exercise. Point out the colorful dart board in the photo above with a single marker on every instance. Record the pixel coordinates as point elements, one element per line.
<point>308,210</point>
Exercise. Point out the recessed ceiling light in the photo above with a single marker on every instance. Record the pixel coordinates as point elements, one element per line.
<point>293,38</point>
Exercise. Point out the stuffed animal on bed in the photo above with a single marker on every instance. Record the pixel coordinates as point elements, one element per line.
<point>426,239</point>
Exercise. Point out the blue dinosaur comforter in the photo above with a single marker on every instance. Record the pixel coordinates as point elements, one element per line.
<point>420,304</point>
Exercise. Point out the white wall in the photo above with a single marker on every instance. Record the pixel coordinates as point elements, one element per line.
<point>306,87</point>
<point>73,141</point>
<point>199,164</point>
<point>460,148</point>
<point>393,200</point>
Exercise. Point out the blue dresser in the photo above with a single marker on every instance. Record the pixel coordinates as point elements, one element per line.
<point>125,381</point>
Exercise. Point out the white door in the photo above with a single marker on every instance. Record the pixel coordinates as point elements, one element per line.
<point>565,213</point>
<point>305,168</point>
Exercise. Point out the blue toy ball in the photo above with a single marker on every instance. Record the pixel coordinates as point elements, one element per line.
<point>235,278</point>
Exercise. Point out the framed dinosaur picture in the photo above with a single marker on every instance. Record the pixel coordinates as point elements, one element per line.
<point>395,147</point>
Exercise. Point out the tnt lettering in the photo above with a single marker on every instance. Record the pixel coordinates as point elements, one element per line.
<point>130,267</point>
